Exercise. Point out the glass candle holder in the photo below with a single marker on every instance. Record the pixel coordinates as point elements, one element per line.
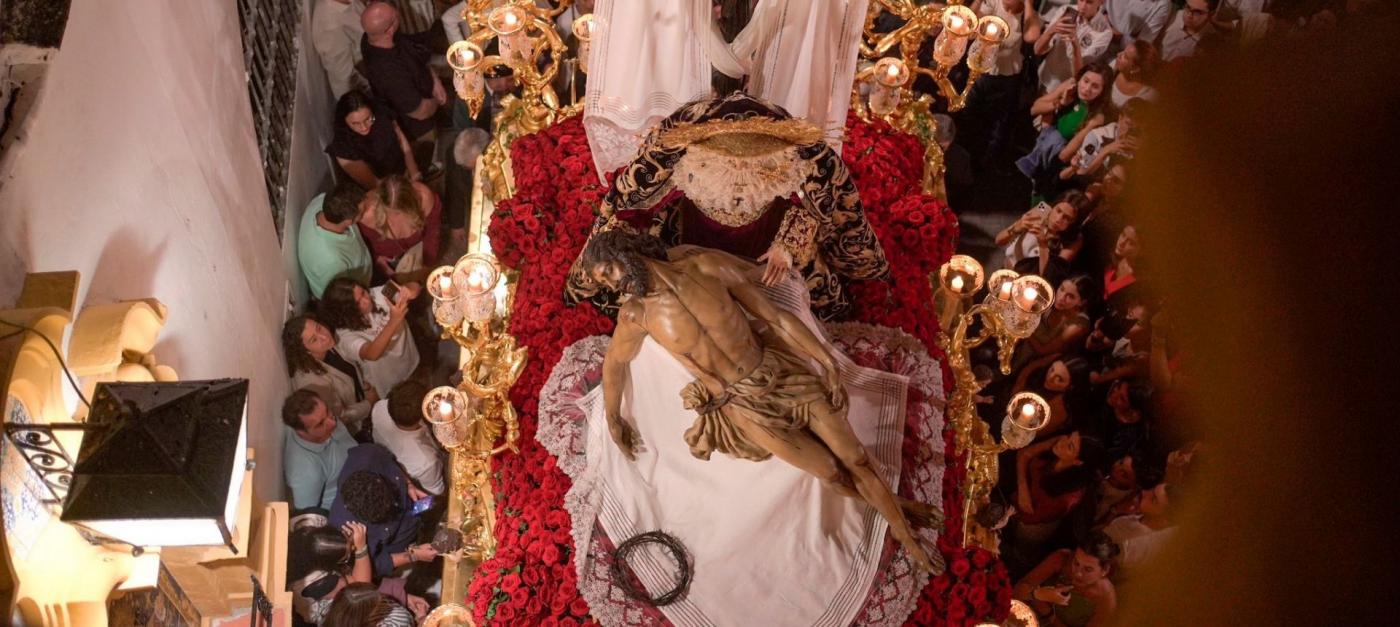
<point>440,285</point>
<point>465,56</point>
<point>1028,411</point>
<point>883,100</point>
<point>999,287</point>
<point>583,29</point>
<point>958,24</point>
<point>444,405</point>
<point>447,313</point>
<point>1031,294</point>
<point>476,273</point>
<point>991,31</point>
<point>509,23</point>
<point>891,72</point>
<point>961,275</point>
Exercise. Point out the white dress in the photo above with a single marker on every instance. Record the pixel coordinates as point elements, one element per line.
<point>649,57</point>
<point>399,358</point>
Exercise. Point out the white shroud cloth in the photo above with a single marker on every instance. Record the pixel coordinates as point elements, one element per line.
<point>771,545</point>
<point>650,56</point>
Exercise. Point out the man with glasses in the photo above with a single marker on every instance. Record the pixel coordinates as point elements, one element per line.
<point>1191,24</point>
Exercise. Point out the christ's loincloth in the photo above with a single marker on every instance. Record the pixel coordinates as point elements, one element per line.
<point>777,396</point>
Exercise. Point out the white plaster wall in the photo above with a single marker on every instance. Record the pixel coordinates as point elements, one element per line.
<point>140,170</point>
<point>311,132</point>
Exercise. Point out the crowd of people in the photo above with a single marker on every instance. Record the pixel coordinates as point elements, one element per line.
<point>364,470</point>
<point>1070,98</point>
<point>1073,93</point>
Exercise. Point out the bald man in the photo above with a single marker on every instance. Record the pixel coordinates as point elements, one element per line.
<point>397,69</point>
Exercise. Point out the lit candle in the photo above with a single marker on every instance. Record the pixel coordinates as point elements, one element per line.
<point>445,284</point>
<point>1027,299</point>
<point>445,408</point>
<point>476,282</point>
<point>1028,410</point>
<point>956,284</point>
<point>1005,292</point>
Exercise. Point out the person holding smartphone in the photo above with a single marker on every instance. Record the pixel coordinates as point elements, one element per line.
<point>1072,588</point>
<point>375,491</point>
<point>1074,36</point>
<point>370,328</point>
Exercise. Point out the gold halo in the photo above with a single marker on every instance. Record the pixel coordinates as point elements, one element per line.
<point>745,137</point>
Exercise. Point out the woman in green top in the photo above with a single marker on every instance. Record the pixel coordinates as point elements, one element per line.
<point>1071,588</point>
<point>1067,110</point>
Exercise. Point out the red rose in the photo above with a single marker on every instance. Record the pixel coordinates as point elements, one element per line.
<point>505,612</point>
<point>549,621</point>
<point>579,607</point>
<point>519,596</point>
<point>960,567</point>
<point>510,583</point>
<point>568,621</point>
<point>550,554</point>
<point>923,615</point>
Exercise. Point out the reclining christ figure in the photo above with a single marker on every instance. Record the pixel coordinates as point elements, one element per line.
<point>754,393</point>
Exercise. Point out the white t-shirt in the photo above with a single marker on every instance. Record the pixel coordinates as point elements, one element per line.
<point>416,450</point>
<point>399,358</point>
<point>1138,541</point>
<point>1095,141</point>
<point>1138,19</point>
<point>1094,36</point>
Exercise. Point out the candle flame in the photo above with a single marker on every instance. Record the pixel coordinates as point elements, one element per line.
<point>955,22</point>
<point>445,282</point>
<point>991,29</point>
<point>1030,294</point>
<point>1028,409</point>
<point>445,408</point>
<point>956,283</point>
<point>1006,290</point>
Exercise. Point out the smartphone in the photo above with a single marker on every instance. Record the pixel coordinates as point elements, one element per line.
<point>421,505</point>
<point>1043,208</point>
<point>1073,13</point>
<point>391,292</point>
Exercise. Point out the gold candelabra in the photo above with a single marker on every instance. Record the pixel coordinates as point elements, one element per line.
<point>1010,312</point>
<point>528,44</point>
<point>889,77</point>
<point>475,420</point>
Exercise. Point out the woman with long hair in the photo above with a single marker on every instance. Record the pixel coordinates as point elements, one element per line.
<point>363,605</point>
<point>370,329</point>
<point>1135,66</point>
<point>401,223</point>
<point>367,143</point>
<point>314,362</point>
<point>1071,588</point>
<point>1041,235</point>
<point>1065,327</point>
<point>1060,381</point>
<point>1052,479</point>
<point>1068,112</point>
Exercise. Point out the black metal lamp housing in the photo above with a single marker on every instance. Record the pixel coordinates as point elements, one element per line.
<point>162,464</point>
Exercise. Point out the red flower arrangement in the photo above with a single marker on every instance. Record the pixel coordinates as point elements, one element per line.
<point>531,579</point>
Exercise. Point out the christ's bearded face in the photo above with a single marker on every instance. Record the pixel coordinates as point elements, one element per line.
<point>627,274</point>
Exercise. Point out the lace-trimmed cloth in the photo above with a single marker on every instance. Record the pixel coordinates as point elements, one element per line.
<point>564,430</point>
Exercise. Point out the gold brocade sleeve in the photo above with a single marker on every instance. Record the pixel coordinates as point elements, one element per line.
<point>798,234</point>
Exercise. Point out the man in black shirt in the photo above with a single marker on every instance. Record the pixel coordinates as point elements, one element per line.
<point>397,69</point>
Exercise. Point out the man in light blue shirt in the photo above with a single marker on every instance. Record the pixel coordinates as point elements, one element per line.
<point>329,244</point>
<point>315,450</point>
